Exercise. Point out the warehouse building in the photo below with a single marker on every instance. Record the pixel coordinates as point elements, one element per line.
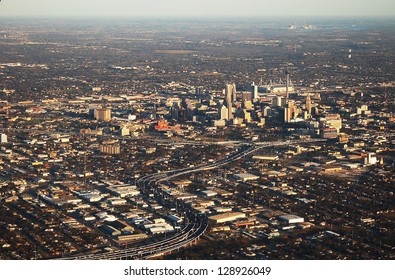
<point>291,219</point>
<point>226,217</point>
<point>245,177</point>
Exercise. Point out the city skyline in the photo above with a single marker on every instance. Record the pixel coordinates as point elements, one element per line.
<point>203,8</point>
<point>185,138</point>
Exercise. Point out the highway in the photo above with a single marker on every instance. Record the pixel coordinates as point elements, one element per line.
<point>197,223</point>
<point>183,238</point>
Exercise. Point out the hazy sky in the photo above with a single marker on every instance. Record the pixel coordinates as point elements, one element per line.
<point>242,8</point>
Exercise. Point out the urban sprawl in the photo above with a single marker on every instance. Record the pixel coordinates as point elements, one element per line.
<point>194,140</point>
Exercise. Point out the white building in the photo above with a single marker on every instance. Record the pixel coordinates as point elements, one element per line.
<point>124,190</point>
<point>245,177</point>
<point>371,159</point>
<point>291,219</point>
<point>3,138</point>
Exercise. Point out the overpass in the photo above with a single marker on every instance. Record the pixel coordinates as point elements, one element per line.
<point>198,223</point>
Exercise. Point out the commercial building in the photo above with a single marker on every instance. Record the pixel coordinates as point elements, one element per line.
<point>329,133</point>
<point>291,219</point>
<point>334,121</point>
<point>266,157</point>
<point>124,190</point>
<point>254,91</point>
<point>3,138</point>
<point>230,97</point>
<point>103,114</point>
<point>245,177</point>
<point>175,219</point>
<point>226,217</point>
<point>110,149</point>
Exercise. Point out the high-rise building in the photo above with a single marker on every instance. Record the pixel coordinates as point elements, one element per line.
<point>234,93</point>
<point>266,111</point>
<point>103,114</point>
<point>254,91</point>
<point>247,96</point>
<point>285,114</point>
<point>370,159</point>
<point>229,95</point>
<point>199,91</point>
<point>246,116</point>
<point>292,109</point>
<point>279,101</point>
<point>230,89</point>
<point>287,83</point>
<point>308,104</point>
<point>223,113</point>
<point>334,121</point>
<point>175,111</point>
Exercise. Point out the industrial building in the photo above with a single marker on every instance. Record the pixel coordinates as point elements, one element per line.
<point>124,190</point>
<point>175,219</point>
<point>226,217</point>
<point>245,177</point>
<point>291,219</point>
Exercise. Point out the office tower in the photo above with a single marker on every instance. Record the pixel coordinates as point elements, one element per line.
<point>230,89</point>
<point>223,113</point>
<point>279,101</point>
<point>175,111</point>
<point>287,85</point>
<point>247,96</point>
<point>266,111</point>
<point>291,107</point>
<point>254,91</point>
<point>103,114</point>
<point>229,95</point>
<point>308,104</point>
<point>285,114</point>
<point>234,93</point>
<point>199,91</point>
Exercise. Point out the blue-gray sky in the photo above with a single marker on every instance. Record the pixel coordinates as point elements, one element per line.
<point>242,8</point>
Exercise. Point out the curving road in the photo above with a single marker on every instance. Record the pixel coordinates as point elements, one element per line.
<point>198,223</point>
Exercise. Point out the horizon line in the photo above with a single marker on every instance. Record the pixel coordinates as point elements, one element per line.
<point>233,17</point>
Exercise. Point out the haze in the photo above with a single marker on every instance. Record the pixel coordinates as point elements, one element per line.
<point>196,8</point>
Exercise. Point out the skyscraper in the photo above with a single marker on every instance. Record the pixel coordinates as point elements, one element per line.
<point>291,107</point>
<point>308,104</point>
<point>199,91</point>
<point>230,89</point>
<point>254,91</point>
<point>230,96</point>
<point>287,85</point>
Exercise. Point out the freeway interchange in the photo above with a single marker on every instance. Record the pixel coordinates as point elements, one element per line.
<point>196,223</point>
